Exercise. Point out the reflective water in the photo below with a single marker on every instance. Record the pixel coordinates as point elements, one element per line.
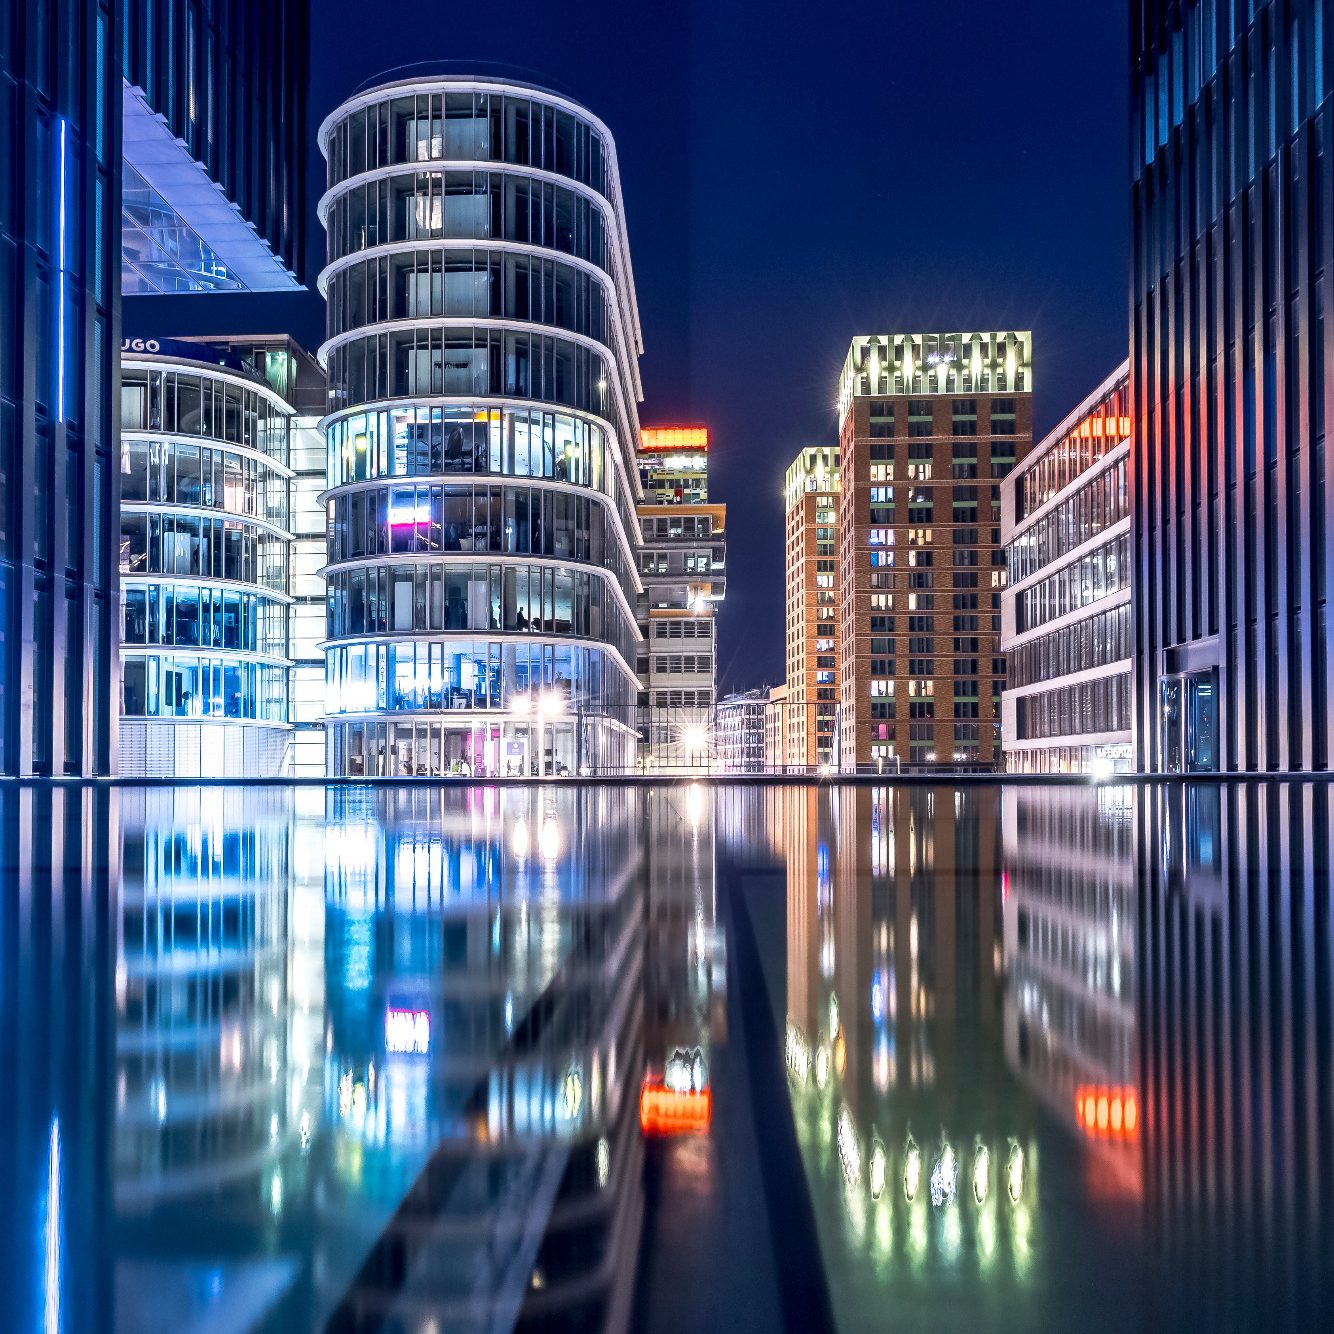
<point>600,1058</point>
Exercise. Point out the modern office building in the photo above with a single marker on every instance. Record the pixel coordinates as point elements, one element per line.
<point>292,373</point>
<point>483,376</point>
<point>928,426</point>
<point>1232,121</point>
<point>811,500</point>
<point>205,560</point>
<point>740,730</point>
<point>198,154</point>
<point>1065,613</point>
<point>214,105</point>
<point>683,567</point>
<point>59,329</point>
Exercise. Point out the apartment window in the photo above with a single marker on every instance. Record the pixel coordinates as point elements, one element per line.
<point>1002,416</point>
<point>919,417</point>
<point>963,416</point>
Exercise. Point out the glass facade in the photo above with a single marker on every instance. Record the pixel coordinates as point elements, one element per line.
<point>1066,617</point>
<point>59,326</point>
<point>1233,136</point>
<point>205,558</point>
<point>216,98</point>
<point>481,326</point>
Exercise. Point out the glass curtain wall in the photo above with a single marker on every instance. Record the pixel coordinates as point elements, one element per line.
<point>205,555</point>
<point>482,327</point>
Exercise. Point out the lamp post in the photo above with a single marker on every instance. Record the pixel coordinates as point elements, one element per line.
<point>550,705</point>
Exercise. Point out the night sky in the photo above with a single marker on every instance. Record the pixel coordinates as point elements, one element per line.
<point>795,174</point>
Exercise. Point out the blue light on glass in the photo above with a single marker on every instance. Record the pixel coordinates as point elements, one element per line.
<point>60,270</point>
<point>51,1237</point>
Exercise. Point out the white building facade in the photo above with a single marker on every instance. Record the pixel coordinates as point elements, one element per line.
<point>205,556</point>
<point>1066,614</point>
<point>482,352</point>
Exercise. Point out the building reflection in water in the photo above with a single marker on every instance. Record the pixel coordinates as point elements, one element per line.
<point>58,886</point>
<point>1070,910</point>
<point>893,1000</point>
<point>215,1056</point>
<point>1237,1050</point>
<point>1083,1081</point>
<point>483,1049</point>
<point>685,972</point>
<point>355,1061</point>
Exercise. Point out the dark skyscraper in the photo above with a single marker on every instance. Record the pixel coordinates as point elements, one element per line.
<point>199,150</point>
<point>1233,190</point>
<point>60,94</point>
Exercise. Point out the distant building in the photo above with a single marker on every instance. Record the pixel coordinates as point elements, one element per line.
<point>1065,615</point>
<point>740,732</point>
<point>811,501</point>
<point>683,567</point>
<point>1231,368</point>
<point>205,558</point>
<point>776,725</point>
<point>929,424</point>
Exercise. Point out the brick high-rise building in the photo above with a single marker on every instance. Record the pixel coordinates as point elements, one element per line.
<point>810,496</point>
<point>928,425</point>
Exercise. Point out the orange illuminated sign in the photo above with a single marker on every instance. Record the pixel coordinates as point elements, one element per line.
<point>1107,1112</point>
<point>663,1111</point>
<point>1110,428</point>
<point>674,437</point>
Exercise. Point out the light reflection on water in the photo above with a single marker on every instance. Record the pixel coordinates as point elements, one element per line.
<point>1085,1038</point>
<point>393,1059</point>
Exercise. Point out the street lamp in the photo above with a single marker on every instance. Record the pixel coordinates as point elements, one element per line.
<point>543,705</point>
<point>694,738</point>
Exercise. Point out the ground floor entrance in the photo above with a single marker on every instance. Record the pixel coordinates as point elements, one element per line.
<point>1188,721</point>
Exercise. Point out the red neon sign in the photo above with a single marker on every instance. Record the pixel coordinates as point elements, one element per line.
<point>674,437</point>
<point>1107,1112</point>
<point>663,1111</point>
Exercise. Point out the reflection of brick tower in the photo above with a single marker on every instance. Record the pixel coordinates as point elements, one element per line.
<point>915,894</point>
<point>912,1138</point>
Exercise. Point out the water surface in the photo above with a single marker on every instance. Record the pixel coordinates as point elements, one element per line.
<point>599,1058</point>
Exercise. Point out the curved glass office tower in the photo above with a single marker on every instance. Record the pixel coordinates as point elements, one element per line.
<point>205,554</point>
<point>483,369</point>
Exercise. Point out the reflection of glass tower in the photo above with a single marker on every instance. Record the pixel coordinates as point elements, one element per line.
<point>1070,922</point>
<point>482,356</point>
<point>1235,982</point>
<point>483,955</point>
<point>57,959</point>
<point>208,1094</point>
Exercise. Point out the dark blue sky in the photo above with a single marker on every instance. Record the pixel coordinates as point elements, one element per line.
<point>795,174</point>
